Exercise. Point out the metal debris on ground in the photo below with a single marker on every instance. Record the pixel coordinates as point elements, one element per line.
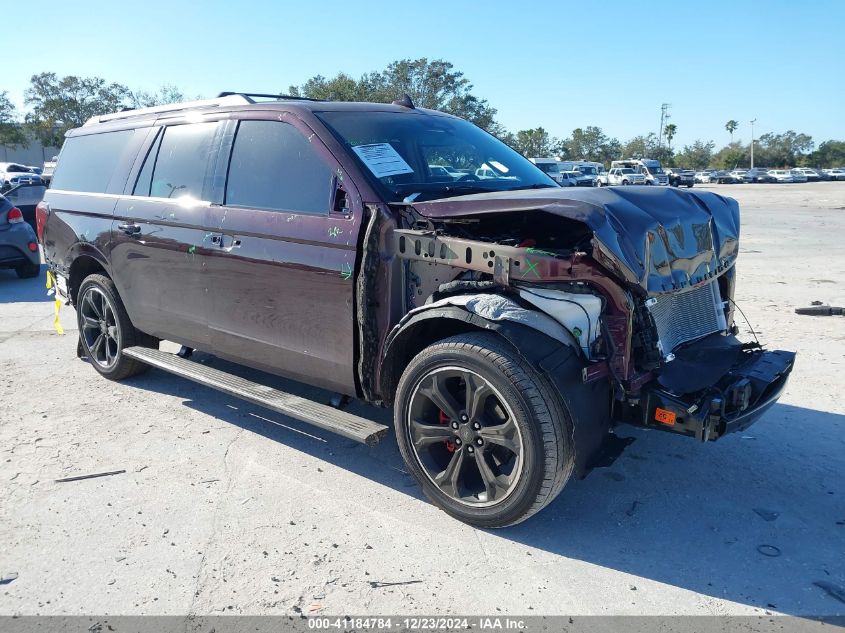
<point>820,310</point>
<point>5,579</point>
<point>375,584</point>
<point>80,477</point>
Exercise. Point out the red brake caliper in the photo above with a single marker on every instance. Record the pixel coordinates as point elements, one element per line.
<point>444,419</point>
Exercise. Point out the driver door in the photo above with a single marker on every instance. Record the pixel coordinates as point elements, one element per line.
<point>282,271</point>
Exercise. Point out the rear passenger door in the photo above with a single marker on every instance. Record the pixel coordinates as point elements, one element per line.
<point>281,280</point>
<point>161,233</point>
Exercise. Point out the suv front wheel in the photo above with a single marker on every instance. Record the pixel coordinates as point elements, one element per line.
<point>105,329</point>
<point>482,431</point>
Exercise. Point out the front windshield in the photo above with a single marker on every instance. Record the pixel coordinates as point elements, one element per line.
<point>397,148</point>
<point>549,168</point>
<point>587,170</point>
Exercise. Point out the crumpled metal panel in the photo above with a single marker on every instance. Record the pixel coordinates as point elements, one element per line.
<point>659,238</point>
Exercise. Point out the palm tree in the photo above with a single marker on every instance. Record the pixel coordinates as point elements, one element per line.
<point>670,131</point>
<point>731,126</point>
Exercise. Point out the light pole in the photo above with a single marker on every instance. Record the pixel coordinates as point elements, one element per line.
<point>752,143</point>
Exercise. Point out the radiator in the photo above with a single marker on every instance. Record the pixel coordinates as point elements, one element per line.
<point>686,316</point>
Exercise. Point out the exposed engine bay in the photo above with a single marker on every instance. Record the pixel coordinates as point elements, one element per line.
<point>637,277</point>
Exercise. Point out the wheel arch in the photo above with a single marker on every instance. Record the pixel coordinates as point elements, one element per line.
<point>560,362</point>
<point>86,261</point>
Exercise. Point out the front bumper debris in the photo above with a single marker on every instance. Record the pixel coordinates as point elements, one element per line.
<point>733,403</point>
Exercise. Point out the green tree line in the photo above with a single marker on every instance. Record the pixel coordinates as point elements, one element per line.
<point>58,104</point>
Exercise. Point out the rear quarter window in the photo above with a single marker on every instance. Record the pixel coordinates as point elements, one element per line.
<point>87,163</point>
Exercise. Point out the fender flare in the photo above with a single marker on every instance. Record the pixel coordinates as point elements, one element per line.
<point>560,362</point>
<point>86,249</point>
<point>78,251</point>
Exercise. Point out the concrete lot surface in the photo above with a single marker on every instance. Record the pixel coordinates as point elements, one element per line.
<point>227,508</point>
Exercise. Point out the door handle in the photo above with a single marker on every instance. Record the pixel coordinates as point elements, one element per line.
<point>130,228</point>
<point>226,242</point>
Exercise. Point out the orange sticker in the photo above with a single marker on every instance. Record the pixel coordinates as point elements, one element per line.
<point>664,417</point>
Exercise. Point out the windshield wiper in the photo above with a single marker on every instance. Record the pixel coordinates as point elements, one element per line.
<point>534,186</point>
<point>467,187</point>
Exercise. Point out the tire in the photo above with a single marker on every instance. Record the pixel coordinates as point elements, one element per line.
<point>624,182</point>
<point>598,183</point>
<point>104,339</point>
<point>28,270</point>
<point>689,186</point>
<point>520,433</point>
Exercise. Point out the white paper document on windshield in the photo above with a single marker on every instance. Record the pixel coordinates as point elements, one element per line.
<point>382,159</point>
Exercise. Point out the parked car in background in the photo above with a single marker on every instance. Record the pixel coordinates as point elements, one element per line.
<point>438,171</point>
<point>810,174</point>
<point>589,171</point>
<point>702,177</point>
<point>782,175</point>
<point>581,179</point>
<point>569,178</point>
<point>486,173</point>
<point>651,169</point>
<point>680,177</point>
<point>622,176</point>
<point>759,175</point>
<point>26,198</point>
<point>18,243</point>
<point>12,174</point>
<point>798,175</point>
<point>47,170</point>
<point>722,177</point>
<point>835,173</point>
<point>740,175</point>
<point>550,167</point>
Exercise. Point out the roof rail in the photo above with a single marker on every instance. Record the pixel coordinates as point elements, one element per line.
<point>227,99</point>
<point>251,96</point>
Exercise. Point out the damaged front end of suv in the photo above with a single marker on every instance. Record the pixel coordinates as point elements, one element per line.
<point>639,281</point>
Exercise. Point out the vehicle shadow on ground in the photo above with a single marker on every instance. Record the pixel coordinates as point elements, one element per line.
<point>14,289</point>
<point>756,518</point>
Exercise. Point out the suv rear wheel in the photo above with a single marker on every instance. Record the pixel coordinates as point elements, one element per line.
<point>105,329</point>
<point>482,432</point>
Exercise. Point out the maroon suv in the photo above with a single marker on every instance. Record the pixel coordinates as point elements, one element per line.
<point>407,258</point>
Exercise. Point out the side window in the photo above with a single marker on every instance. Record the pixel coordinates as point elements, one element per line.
<point>177,165</point>
<point>273,166</point>
<point>87,163</point>
<point>145,178</point>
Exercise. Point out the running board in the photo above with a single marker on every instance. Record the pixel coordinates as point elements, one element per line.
<point>302,409</point>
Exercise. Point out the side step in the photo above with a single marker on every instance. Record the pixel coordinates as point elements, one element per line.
<point>320,415</point>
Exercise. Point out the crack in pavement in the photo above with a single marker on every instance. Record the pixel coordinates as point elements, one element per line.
<point>198,587</point>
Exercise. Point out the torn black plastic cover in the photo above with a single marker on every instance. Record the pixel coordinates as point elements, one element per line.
<point>700,365</point>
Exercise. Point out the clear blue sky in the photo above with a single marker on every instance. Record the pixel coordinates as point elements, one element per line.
<point>559,64</point>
